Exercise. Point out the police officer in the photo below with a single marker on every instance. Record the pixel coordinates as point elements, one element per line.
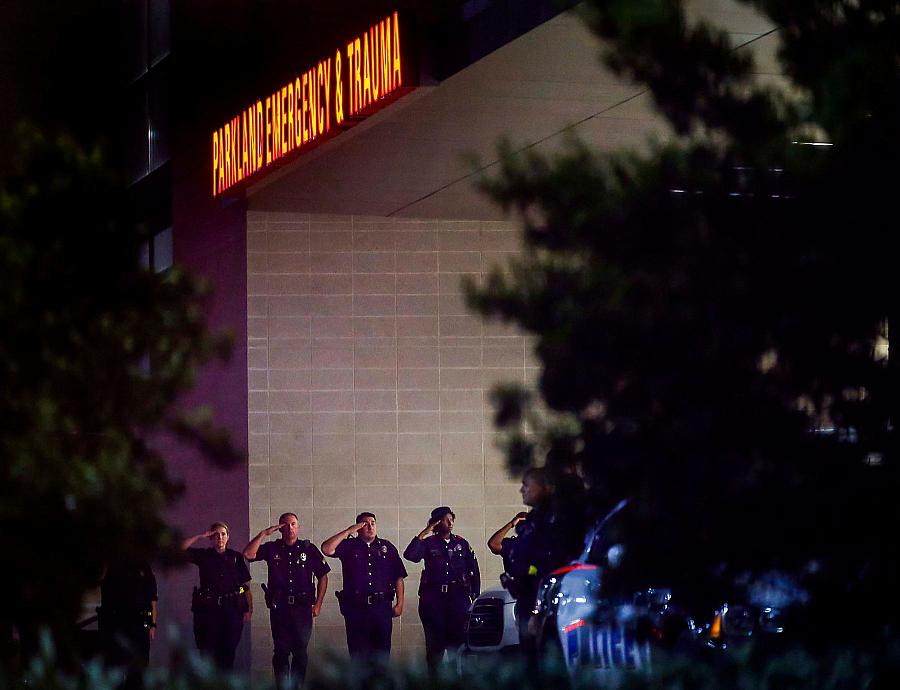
<point>530,555</point>
<point>127,617</point>
<point>223,602</point>
<point>373,576</point>
<point>293,563</point>
<point>450,583</point>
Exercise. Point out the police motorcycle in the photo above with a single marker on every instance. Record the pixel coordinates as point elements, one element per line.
<point>605,636</point>
<point>597,635</point>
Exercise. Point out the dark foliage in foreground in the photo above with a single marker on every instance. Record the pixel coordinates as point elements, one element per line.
<point>95,350</point>
<point>747,669</point>
<point>711,313</point>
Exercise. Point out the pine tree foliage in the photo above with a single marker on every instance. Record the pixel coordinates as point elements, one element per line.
<point>95,351</point>
<point>712,311</point>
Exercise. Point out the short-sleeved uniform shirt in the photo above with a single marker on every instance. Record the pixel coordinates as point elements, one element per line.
<point>292,568</point>
<point>447,561</point>
<point>369,568</point>
<point>220,573</point>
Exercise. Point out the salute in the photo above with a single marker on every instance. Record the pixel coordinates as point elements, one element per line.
<point>373,576</point>
<point>293,603</point>
<point>450,582</point>
<point>223,602</point>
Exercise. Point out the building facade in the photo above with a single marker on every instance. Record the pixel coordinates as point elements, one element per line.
<point>359,381</point>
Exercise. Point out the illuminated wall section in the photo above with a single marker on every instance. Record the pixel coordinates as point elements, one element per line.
<point>368,389</point>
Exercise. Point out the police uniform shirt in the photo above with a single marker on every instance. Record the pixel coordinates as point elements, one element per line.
<point>291,568</point>
<point>447,561</point>
<point>128,588</point>
<point>369,568</point>
<point>220,573</point>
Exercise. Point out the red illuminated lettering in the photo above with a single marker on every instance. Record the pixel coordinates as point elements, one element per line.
<point>357,77</point>
<point>375,70</point>
<point>385,55</point>
<point>338,90</point>
<point>227,154</point>
<point>245,159</point>
<point>268,131</point>
<point>304,104</point>
<point>300,111</point>
<point>327,71</point>
<point>298,117</point>
<point>320,83</point>
<point>251,138</point>
<point>235,163</point>
<point>313,104</point>
<point>260,135</point>
<point>215,157</point>
<point>396,76</point>
<point>367,81</point>
<point>293,125</point>
<point>276,139</point>
<point>350,79</point>
<point>284,122</point>
<point>221,159</point>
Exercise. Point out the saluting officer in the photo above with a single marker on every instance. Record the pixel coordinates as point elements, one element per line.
<point>293,563</point>
<point>223,602</point>
<point>373,576</point>
<point>450,583</point>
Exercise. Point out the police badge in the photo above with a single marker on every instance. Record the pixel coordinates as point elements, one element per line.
<point>303,557</point>
<point>383,548</point>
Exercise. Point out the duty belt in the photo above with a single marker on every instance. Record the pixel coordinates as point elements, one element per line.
<point>444,588</point>
<point>291,599</point>
<point>370,599</point>
<point>222,599</point>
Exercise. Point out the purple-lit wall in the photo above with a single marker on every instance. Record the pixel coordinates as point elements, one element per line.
<point>210,240</point>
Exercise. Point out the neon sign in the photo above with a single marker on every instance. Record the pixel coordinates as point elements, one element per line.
<point>315,104</point>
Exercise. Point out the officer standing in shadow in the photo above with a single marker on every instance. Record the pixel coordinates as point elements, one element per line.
<point>292,602</point>
<point>528,556</point>
<point>127,617</point>
<point>373,576</point>
<point>450,583</point>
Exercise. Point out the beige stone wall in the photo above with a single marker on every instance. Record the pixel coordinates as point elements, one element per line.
<point>368,389</point>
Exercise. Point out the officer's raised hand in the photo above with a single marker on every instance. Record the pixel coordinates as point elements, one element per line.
<point>330,544</point>
<point>495,543</point>
<point>253,546</point>
<point>429,529</point>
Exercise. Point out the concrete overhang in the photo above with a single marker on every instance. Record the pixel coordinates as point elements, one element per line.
<point>414,158</point>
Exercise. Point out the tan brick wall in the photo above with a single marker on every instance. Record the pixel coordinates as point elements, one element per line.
<point>368,389</point>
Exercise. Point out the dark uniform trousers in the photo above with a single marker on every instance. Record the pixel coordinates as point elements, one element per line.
<point>451,576</point>
<point>127,593</point>
<point>443,616</point>
<point>291,630</point>
<point>217,630</point>
<point>126,642</point>
<point>290,598</point>
<point>370,573</point>
<point>219,603</point>
<point>369,629</point>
